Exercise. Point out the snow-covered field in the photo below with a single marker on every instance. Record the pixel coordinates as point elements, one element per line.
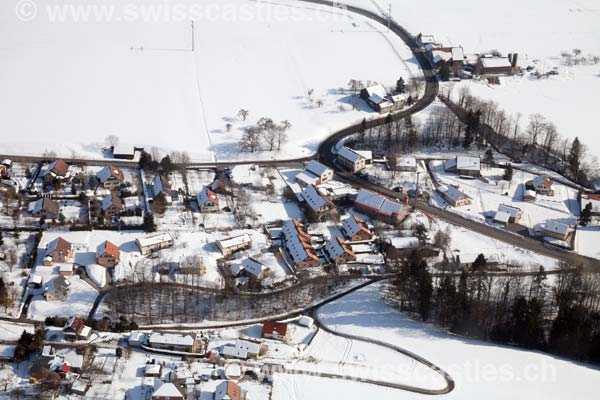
<point>479,369</point>
<point>586,241</point>
<point>67,85</point>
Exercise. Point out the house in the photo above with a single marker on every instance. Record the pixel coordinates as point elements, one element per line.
<point>306,321</point>
<point>65,270</point>
<point>207,200</point>
<point>175,342</point>
<point>112,205</point>
<point>493,66</point>
<point>244,349</point>
<point>298,245</point>
<point>136,339</point>
<point>161,186</point>
<point>338,251</point>
<point>35,282</point>
<point>275,330</point>
<point>318,206</point>
<point>228,390</point>
<point>592,201</point>
<point>461,165</point>
<point>107,254</point>
<point>58,251</point>
<point>111,177</point>
<point>541,184</point>
<point>351,160</point>
<point>380,206</point>
<point>80,387</point>
<point>234,244</point>
<point>56,169</point>
<point>501,217</point>
<point>44,207</point>
<point>514,213</point>
<point>378,99</point>
<point>57,289</point>
<point>557,230</point>
<point>123,152</point>
<point>356,229</point>
<point>253,268</point>
<point>75,329</point>
<point>153,243</point>
<point>167,391</point>
<point>406,164</point>
<point>152,370</point>
<point>319,170</point>
<point>453,196</point>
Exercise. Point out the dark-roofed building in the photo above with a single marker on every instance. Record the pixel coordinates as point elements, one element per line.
<point>57,289</point>
<point>45,207</point>
<point>298,245</point>
<point>355,229</point>
<point>75,329</point>
<point>207,200</point>
<point>57,169</point>
<point>111,177</point>
<point>318,206</point>
<point>351,159</point>
<point>112,205</point>
<point>338,251</point>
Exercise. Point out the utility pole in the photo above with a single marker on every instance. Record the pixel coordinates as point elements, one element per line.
<point>193,44</point>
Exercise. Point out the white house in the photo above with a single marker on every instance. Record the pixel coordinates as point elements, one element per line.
<point>319,170</point>
<point>462,165</point>
<point>351,159</point>
<point>234,244</point>
<point>152,243</point>
<point>406,164</point>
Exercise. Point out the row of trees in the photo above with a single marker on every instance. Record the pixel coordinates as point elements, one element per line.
<point>563,318</point>
<point>264,135</point>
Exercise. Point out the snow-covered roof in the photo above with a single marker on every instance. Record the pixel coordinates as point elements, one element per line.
<point>167,391</point>
<point>458,54</point>
<point>439,55</point>
<point>123,149</point>
<point>510,210</point>
<point>378,202</point>
<point>241,348</point>
<point>254,267</point>
<point>59,245</point>
<point>542,181</point>
<point>407,162</point>
<point>235,241</point>
<point>349,154</point>
<point>502,216</point>
<point>313,198</point>
<point>152,369</point>
<point>468,163</point>
<point>376,93</point>
<point>306,178</point>
<point>404,242</point>
<point>171,339</point>
<point>297,241</point>
<point>155,239</point>
<point>495,62</point>
<point>557,227</point>
<point>451,193</point>
<point>136,336</point>
<point>110,171</point>
<point>7,351</point>
<point>530,193</point>
<point>317,168</point>
<point>366,154</point>
<point>37,279</point>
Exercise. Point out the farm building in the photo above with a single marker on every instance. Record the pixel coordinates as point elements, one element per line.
<point>234,244</point>
<point>461,165</point>
<point>493,66</point>
<point>155,242</point>
<point>380,206</point>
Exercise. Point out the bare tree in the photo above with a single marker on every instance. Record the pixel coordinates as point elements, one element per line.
<point>228,127</point>
<point>112,140</point>
<point>319,103</point>
<point>243,114</point>
<point>250,140</point>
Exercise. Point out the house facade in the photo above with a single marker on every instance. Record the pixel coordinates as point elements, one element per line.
<point>58,251</point>
<point>207,200</point>
<point>339,252</point>
<point>453,196</point>
<point>111,177</point>
<point>380,206</point>
<point>298,245</point>
<point>322,172</point>
<point>44,207</point>
<point>153,243</point>
<point>351,160</point>
<point>234,244</point>
<point>541,184</point>
<point>107,254</point>
<point>462,165</point>
<point>75,329</point>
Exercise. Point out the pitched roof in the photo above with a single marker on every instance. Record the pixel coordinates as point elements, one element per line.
<point>205,196</point>
<point>112,201</point>
<point>228,390</point>
<point>316,168</point>
<point>57,167</point>
<point>352,225</point>
<point>542,180</point>
<point>74,323</point>
<point>43,204</point>
<point>510,210</point>
<point>58,283</point>
<point>110,171</point>
<point>167,390</point>
<point>297,242</point>
<point>314,199</point>
<point>270,327</point>
<point>235,241</point>
<point>378,203</point>
<point>495,62</point>
<point>557,227</point>
<point>336,247</point>
<point>349,154</point>
<point>155,239</point>
<point>172,339</point>
<point>58,246</point>
<point>109,248</point>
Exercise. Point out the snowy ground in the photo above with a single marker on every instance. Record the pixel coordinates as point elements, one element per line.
<point>136,79</point>
<point>486,197</point>
<point>586,241</point>
<point>15,275</point>
<point>478,368</point>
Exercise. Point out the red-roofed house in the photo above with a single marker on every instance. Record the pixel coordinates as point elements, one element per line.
<point>275,330</point>
<point>107,254</point>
